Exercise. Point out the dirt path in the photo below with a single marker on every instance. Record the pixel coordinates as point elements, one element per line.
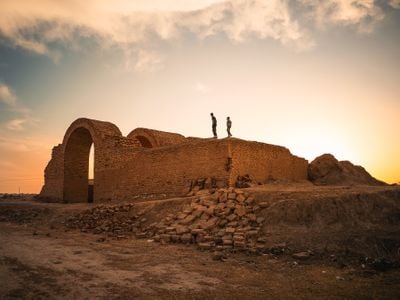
<point>53,264</point>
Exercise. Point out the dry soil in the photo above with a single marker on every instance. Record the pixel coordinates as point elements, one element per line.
<point>352,257</point>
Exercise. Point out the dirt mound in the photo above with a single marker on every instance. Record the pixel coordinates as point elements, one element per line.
<point>326,169</point>
<point>341,211</point>
<point>358,225</point>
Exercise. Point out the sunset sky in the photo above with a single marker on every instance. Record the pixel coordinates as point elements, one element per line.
<point>313,76</point>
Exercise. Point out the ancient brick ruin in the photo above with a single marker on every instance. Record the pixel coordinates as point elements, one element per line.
<point>155,163</point>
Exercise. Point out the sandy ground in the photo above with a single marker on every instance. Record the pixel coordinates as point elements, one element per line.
<point>42,259</point>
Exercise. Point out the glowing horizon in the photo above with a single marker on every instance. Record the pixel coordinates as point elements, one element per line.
<point>314,77</point>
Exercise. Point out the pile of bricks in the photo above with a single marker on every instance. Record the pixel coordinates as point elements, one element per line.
<point>225,219</point>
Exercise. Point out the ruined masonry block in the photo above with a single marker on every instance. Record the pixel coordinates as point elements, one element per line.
<point>151,162</point>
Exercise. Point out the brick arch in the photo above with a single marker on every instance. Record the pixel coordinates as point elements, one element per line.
<point>77,141</point>
<point>145,141</point>
<point>98,129</point>
<point>144,136</point>
<point>150,138</point>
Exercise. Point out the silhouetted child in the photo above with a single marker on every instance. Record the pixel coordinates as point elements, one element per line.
<point>214,125</point>
<point>228,126</point>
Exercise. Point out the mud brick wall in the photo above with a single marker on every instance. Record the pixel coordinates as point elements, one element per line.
<point>109,164</point>
<point>151,162</point>
<point>54,175</point>
<point>169,170</point>
<point>263,162</point>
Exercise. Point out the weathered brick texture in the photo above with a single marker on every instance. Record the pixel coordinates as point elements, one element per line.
<point>168,170</point>
<point>150,162</point>
<point>264,162</point>
<point>54,174</point>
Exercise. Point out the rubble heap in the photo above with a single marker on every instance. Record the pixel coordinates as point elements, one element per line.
<point>223,219</point>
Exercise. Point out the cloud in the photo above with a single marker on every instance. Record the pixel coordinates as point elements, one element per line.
<point>243,20</point>
<point>23,116</point>
<point>148,61</point>
<point>16,124</point>
<point>20,123</point>
<point>134,25</point>
<point>394,3</point>
<point>35,26</point>
<point>363,14</point>
<point>9,99</point>
<point>7,96</point>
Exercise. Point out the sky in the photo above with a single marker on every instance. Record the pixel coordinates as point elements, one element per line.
<point>315,76</point>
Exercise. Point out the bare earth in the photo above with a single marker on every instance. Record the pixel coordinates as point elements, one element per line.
<point>42,259</point>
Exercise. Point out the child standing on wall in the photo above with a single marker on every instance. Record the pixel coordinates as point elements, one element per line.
<point>214,125</point>
<point>228,126</point>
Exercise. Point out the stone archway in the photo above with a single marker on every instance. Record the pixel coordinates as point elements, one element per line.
<point>76,166</point>
<point>145,137</point>
<point>66,174</point>
<point>78,139</point>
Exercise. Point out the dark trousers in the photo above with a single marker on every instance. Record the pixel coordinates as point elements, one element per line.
<point>214,129</point>
<point>228,129</point>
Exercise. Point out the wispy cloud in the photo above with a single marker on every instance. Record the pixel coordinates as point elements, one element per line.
<point>148,61</point>
<point>34,26</point>
<point>363,14</point>
<point>132,25</point>
<point>16,124</point>
<point>7,97</point>
<point>394,3</point>
<point>22,115</point>
<point>9,100</point>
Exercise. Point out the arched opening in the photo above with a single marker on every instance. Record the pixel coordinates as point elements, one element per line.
<point>144,141</point>
<point>76,166</point>
<point>91,175</point>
